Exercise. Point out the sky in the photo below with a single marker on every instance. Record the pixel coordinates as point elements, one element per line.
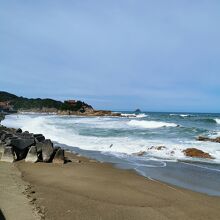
<point>154,55</point>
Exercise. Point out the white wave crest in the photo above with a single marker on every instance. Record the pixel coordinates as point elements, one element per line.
<point>181,115</point>
<point>142,115</point>
<point>129,115</point>
<point>71,131</point>
<point>150,124</point>
<point>217,120</point>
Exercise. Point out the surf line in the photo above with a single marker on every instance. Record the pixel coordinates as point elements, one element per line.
<point>207,168</point>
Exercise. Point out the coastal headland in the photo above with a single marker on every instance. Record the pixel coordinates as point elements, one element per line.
<point>10,103</point>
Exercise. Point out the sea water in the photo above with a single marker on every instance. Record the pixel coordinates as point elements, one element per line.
<point>118,139</point>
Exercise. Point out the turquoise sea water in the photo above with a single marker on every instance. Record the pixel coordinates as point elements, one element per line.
<point>117,139</point>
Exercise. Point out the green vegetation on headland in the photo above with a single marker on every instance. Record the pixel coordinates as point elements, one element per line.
<point>21,103</point>
<point>10,102</point>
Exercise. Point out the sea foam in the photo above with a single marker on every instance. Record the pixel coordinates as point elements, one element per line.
<point>150,124</point>
<point>141,115</point>
<point>83,132</point>
<point>217,120</point>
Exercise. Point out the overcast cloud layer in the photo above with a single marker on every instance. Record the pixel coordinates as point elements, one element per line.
<point>155,55</point>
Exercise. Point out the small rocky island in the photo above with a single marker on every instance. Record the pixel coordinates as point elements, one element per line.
<point>10,103</point>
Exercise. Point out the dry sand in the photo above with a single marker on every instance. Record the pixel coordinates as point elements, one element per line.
<point>91,190</point>
<point>14,205</point>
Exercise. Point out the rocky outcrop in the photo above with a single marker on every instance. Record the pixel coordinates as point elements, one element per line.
<point>39,138</point>
<point>8,155</point>
<point>2,148</point>
<point>90,112</point>
<point>32,155</point>
<point>19,131</point>
<point>201,138</point>
<point>140,153</point>
<point>2,116</point>
<point>68,107</point>
<point>59,156</point>
<point>137,111</point>
<point>157,147</point>
<point>193,152</point>
<point>39,110</point>
<point>5,135</point>
<point>20,145</point>
<point>47,150</point>
<point>17,145</point>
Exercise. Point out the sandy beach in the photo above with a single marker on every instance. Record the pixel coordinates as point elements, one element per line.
<point>14,202</point>
<point>110,110</point>
<point>93,190</point>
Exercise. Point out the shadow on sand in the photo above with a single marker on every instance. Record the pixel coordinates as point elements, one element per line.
<point>2,217</point>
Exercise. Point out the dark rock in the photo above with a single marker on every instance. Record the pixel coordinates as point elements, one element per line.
<point>2,148</point>
<point>201,138</point>
<point>22,143</point>
<point>21,146</point>
<point>137,110</point>
<point>8,140</point>
<point>157,147</point>
<point>193,152</point>
<point>140,153</point>
<point>8,155</point>
<point>25,135</point>
<point>32,155</point>
<point>47,150</point>
<point>39,147</point>
<point>2,132</point>
<point>19,130</point>
<point>116,114</point>
<point>59,156</point>
<point>160,147</point>
<point>6,135</point>
<point>39,138</point>
<point>55,149</point>
<point>74,160</point>
<point>21,154</point>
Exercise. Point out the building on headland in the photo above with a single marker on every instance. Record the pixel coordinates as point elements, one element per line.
<point>71,102</point>
<point>6,107</point>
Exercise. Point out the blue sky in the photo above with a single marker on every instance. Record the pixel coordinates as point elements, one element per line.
<point>118,54</point>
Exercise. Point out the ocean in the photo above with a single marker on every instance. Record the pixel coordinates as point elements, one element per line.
<point>118,139</point>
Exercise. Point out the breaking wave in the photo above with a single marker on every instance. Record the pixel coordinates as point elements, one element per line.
<point>142,115</point>
<point>150,124</point>
<point>82,132</point>
<point>208,120</point>
<point>181,115</point>
<point>217,120</point>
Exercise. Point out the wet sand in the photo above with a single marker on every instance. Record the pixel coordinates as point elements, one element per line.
<point>92,190</point>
